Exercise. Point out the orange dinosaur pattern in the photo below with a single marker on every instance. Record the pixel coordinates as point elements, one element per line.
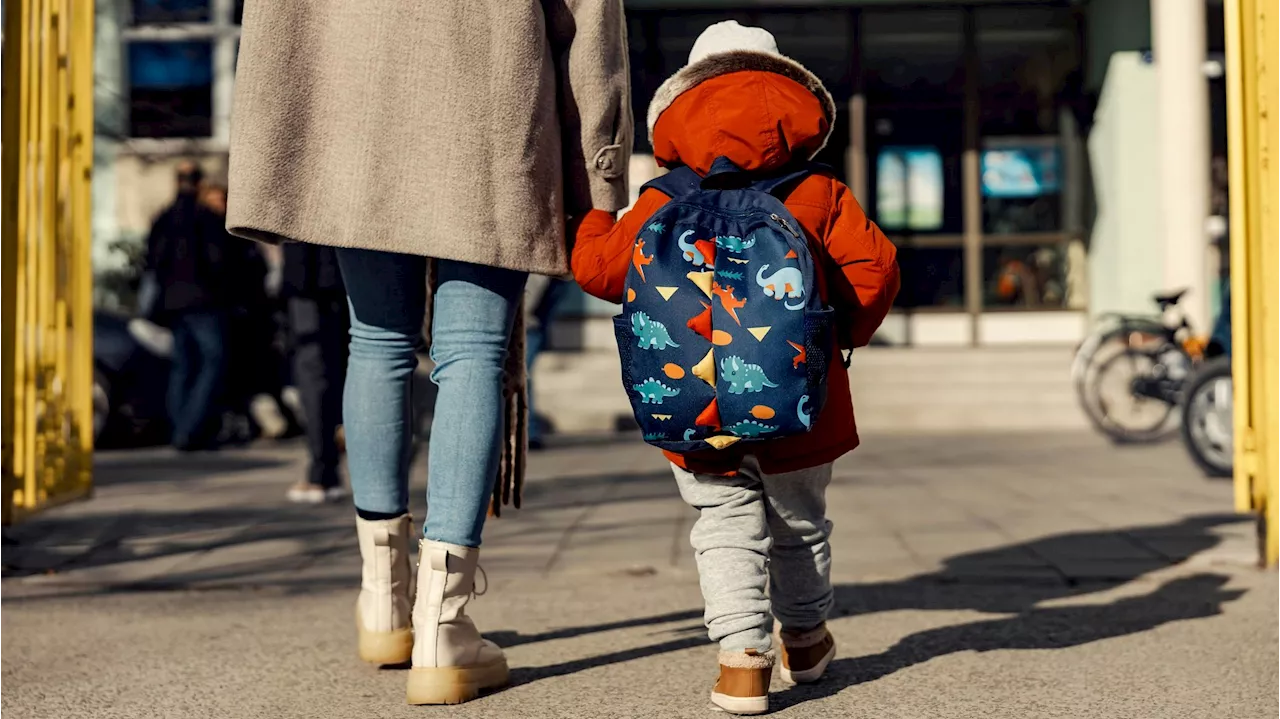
<point>731,303</point>
<point>639,260</point>
<point>799,359</point>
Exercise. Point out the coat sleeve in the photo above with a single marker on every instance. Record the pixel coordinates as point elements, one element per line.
<point>868,279</point>
<point>603,247</point>
<point>589,40</point>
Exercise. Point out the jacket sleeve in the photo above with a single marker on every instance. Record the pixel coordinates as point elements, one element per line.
<point>589,39</point>
<point>603,247</point>
<point>867,282</point>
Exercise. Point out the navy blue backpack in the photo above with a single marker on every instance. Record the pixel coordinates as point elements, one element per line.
<point>723,335</point>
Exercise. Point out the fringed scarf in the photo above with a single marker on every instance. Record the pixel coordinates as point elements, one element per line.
<point>515,410</point>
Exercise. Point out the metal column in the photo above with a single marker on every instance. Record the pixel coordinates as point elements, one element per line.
<point>47,283</point>
<point>1252,117</point>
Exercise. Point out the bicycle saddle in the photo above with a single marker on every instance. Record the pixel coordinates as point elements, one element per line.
<point>1169,299</point>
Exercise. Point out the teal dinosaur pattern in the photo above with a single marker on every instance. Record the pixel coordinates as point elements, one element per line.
<point>655,436</point>
<point>689,433</point>
<point>652,334</point>
<point>657,228</point>
<point>729,274</point>
<point>743,376</point>
<point>736,245</point>
<point>749,428</point>
<point>654,392</point>
<point>801,413</point>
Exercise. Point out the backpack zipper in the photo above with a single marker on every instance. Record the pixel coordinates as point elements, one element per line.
<point>785,225</point>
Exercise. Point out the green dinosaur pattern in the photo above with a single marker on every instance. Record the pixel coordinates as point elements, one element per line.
<point>736,245</point>
<point>652,334</point>
<point>657,228</point>
<point>654,392</point>
<point>729,274</point>
<point>655,436</point>
<point>743,376</point>
<point>749,428</point>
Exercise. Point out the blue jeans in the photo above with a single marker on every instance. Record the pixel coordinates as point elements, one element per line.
<point>196,376</point>
<point>475,308</point>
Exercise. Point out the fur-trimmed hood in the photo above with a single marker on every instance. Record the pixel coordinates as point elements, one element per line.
<point>742,61</point>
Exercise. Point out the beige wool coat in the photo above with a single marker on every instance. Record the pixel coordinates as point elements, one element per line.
<point>448,129</point>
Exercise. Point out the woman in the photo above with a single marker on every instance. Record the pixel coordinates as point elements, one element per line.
<point>399,131</point>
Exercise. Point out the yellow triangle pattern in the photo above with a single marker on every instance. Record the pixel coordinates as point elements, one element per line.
<point>705,370</point>
<point>721,441</point>
<point>661,417</point>
<point>666,292</point>
<point>759,332</point>
<point>702,280</point>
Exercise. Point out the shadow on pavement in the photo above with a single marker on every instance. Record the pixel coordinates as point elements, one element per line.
<point>1193,597</point>
<point>982,581</point>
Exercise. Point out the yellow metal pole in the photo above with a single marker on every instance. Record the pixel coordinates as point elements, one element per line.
<point>47,295</point>
<point>1251,42</point>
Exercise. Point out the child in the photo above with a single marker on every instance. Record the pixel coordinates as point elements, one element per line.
<point>761,514</point>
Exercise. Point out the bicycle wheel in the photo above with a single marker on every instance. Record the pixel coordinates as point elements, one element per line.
<point>1124,415</point>
<point>1207,420</point>
<point>1096,351</point>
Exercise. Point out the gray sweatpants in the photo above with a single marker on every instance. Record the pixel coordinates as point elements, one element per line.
<point>753,530</point>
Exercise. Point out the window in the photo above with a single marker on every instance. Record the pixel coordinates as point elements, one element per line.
<point>909,188</point>
<point>1021,185</point>
<point>171,89</point>
<point>155,12</point>
<point>179,60</point>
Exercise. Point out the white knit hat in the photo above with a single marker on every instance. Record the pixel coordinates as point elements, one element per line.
<point>729,47</point>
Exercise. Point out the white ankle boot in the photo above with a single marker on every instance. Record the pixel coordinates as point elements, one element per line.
<point>451,662</point>
<point>386,590</point>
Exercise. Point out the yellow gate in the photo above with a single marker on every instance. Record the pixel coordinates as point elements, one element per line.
<point>1252,117</point>
<point>47,281</point>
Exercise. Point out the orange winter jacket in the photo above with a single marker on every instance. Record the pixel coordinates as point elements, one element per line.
<point>761,120</point>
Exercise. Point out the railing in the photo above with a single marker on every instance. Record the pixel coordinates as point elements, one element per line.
<point>47,283</point>
<point>1252,116</point>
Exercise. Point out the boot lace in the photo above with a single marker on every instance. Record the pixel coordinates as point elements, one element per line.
<point>480,593</point>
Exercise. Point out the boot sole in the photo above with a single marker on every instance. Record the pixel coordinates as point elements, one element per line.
<point>811,674</point>
<point>394,647</point>
<point>454,685</point>
<point>741,705</point>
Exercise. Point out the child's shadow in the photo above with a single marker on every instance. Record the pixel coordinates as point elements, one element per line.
<point>1193,597</point>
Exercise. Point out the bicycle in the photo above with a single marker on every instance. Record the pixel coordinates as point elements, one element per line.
<point>1130,373</point>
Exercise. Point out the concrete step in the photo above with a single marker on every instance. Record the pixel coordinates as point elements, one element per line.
<point>894,390</point>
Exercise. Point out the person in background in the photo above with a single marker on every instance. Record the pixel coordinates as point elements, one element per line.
<point>248,326</point>
<point>542,296</point>
<point>190,255</point>
<point>311,285</point>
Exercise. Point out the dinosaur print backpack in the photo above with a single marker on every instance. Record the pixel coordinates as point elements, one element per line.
<point>723,335</point>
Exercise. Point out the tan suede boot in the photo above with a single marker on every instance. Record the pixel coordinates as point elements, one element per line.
<point>451,662</point>
<point>805,655</point>
<point>386,590</point>
<point>743,686</point>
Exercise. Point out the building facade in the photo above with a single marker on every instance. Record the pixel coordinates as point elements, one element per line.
<point>1002,145</point>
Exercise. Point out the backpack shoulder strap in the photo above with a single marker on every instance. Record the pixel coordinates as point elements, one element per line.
<point>776,184</point>
<point>676,183</point>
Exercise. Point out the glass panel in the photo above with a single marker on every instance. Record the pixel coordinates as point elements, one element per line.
<point>152,12</point>
<point>171,89</point>
<point>1027,59</point>
<point>1025,276</point>
<point>915,170</point>
<point>916,55</point>
<point>1021,185</point>
<point>238,18</point>
<point>931,277</point>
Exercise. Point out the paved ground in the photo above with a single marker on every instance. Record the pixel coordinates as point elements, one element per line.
<point>978,576</point>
